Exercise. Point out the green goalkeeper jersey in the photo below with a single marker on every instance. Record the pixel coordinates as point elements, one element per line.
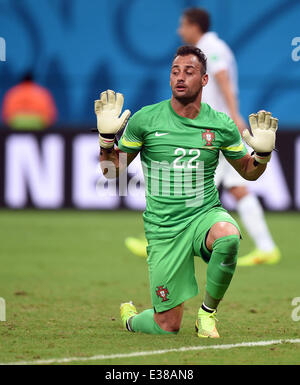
<point>179,158</point>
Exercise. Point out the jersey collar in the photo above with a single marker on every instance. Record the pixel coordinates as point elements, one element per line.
<point>188,120</point>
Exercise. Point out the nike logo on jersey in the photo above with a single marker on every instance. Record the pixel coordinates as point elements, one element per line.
<point>161,134</point>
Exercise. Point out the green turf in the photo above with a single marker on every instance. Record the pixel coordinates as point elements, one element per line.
<point>64,274</point>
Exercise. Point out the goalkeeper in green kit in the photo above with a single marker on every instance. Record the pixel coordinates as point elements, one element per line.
<point>179,142</point>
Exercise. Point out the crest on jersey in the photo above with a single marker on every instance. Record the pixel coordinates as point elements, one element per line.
<point>163,293</point>
<point>209,137</point>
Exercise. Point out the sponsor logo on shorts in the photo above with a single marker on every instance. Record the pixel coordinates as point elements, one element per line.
<point>162,292</point>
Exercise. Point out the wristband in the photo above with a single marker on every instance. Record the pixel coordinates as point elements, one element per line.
<point>107,140</point>
<point>261,157</point>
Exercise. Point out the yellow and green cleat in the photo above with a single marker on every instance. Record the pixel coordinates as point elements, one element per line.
<point>138,246</point>
<point>258,257</point>
<point>206,324</point>
<point>127,310</point>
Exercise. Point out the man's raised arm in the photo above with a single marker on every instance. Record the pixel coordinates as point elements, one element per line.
<point>109,122</point>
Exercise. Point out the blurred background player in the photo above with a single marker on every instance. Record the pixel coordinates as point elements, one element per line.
<point>28,106</point>
<point>221,94</point>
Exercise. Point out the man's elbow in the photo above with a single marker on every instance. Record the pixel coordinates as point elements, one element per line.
<point>251,178</point>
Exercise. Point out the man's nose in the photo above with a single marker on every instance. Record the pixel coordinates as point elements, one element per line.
<point>181,77</point>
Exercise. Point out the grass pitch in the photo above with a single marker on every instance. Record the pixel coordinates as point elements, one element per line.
<point>64,274</point>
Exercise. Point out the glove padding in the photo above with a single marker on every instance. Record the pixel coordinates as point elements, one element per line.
<point>107,109</point>
<point>262,140</point>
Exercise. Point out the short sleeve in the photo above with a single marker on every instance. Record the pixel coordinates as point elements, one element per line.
<point>132,139</point>
<point>233,146</point>
<point>217,57</point>
<point>216,62</point>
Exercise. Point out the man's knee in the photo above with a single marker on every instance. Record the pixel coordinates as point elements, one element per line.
<point>168,325</point>
<point>170,320</point>
<point>220,230</point>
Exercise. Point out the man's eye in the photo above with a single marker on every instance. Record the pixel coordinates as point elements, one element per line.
<point>189,73</point>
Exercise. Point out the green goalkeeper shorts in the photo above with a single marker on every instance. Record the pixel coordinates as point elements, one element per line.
<point>171,261</point>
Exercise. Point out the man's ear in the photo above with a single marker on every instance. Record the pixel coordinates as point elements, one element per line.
<point>204,80</point>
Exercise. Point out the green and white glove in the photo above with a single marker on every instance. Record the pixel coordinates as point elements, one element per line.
<point>262,140</point>
<point>109,122</point>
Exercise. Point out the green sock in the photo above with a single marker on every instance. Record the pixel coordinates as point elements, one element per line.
<point>222,265</point>
<point>144,322</point>
<point>210,302</point>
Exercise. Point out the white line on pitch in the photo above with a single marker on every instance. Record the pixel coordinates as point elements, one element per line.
<point>152,352</point>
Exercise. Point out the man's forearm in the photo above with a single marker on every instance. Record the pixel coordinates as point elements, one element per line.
<point>227,91</point>
<point>109,162</point>
<point>231,101</point>
<point>230,98</point>
<point>248,168</point>
<point>113,161</point>
<point>253,169</point>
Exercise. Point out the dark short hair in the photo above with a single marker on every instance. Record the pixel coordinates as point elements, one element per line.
<point>192,50</point>
<point>198,16</point>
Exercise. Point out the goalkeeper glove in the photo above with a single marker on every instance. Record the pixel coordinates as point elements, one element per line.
<point>107,109</point>
<point>262,139</point>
